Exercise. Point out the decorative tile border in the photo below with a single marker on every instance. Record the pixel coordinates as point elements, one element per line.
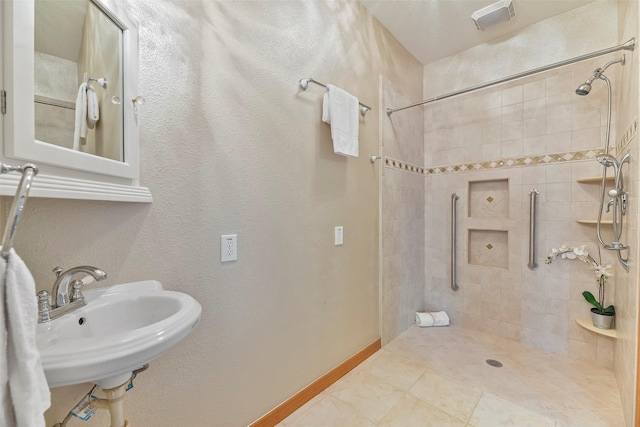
<point>627,136</point>
<point>571,156</point>
<point>404,166</point>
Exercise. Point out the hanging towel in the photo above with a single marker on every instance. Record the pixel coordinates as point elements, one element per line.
<point>80,128</point>
<point>93,109</point>
<point>6,408</point>
<point>28,390</point>
<point>434,318</point>
<point>340,109</point>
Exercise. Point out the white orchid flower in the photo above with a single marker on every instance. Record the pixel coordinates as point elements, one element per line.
<point>580,251</point>
<point>606,270</point>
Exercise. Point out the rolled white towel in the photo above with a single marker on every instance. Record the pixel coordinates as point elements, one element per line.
<point>433,318</point>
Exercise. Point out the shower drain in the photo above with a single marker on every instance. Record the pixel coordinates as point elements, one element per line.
<point>494,363</point>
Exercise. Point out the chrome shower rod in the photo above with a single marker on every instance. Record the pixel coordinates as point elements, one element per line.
<point>629,45</point>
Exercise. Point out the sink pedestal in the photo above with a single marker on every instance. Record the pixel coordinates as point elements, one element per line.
<point>114,402</point>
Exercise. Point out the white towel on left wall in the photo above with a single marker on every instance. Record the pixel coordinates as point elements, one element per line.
<point>28,394</point>
<point>340,109</point>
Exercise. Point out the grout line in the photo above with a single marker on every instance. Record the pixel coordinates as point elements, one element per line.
<point>475,407</point>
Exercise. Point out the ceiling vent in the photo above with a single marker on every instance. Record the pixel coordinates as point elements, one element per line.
<point>493,14</point>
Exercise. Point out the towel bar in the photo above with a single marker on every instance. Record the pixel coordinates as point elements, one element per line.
<point>304,85</point>
<point>22,192</point>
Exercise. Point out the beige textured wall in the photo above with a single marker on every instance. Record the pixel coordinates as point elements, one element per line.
<point>402,290</point>
<point>626,297</point>
<point>229,145</point>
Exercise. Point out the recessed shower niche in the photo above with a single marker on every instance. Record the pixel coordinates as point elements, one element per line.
<point>489,248</point>
<point>489,199</point>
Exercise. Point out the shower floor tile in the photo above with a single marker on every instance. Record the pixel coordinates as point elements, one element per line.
<point>439,377</point>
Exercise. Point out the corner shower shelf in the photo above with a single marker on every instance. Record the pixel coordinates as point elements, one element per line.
<point>592,222</point>
<point>594,180</point>
<point>611,333</point>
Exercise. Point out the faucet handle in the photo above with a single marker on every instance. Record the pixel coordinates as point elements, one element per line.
<point>75,293</point>
<point>57,270</point>
<point>44,306</point>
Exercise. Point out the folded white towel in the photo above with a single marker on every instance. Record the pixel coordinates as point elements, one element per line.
<point>29,392</point>
<point>340,109</point>
<point>93,108</point>
<point>80,127</point>
<point>434,318</point>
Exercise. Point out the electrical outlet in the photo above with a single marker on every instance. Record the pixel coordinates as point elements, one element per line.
<point>338,236</point>
<point>228,247</point>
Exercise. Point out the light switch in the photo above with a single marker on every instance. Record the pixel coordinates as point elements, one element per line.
<point>339,236</point>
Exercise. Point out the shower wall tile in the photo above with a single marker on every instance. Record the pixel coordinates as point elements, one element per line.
<point>512,96</point>
<point>537,134</point>
<point>403,218</point>
<point>626,284</point>
<point>488,248</point>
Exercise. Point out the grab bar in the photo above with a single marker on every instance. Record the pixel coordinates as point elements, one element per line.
<point>454,198</point>
<point>28,172</point>
<point>533,196</point>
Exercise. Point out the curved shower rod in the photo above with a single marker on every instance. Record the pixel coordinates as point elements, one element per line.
<point>629,45</point>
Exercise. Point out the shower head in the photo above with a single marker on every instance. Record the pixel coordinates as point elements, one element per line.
<point>584,88</point>
<point>598,73</point>
<point>607,160</point>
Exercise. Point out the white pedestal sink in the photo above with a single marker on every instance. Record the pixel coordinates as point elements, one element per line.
<point>121,328</point>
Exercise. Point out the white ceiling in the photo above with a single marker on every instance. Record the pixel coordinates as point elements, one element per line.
<point>435,29</point>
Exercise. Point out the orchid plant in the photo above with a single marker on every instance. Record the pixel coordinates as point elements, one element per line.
<point>602,272</point>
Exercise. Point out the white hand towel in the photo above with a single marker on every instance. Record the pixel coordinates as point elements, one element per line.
<point>30,396</point>
<point>93,108</point>
<point>6,408</point>
<point>340,109</point>
<point>80,128</point>
<point>428,319</point>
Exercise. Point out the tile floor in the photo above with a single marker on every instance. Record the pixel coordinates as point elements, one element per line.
<point>439,377</point>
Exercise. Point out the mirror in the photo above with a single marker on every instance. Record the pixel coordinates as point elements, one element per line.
<point>50,49</point>
<point>77,78</point>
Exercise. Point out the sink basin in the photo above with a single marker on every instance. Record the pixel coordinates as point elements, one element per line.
<point>121,328</point>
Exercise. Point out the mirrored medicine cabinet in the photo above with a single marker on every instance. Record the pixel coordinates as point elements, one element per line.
<point>70,84</point>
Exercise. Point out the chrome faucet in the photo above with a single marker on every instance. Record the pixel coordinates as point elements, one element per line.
<point>61,287</point>
<point>63,300</point>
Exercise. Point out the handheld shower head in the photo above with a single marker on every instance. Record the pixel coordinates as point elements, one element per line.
<point>607,160</point>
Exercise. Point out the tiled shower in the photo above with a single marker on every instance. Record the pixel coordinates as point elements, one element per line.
<point>493,147</point>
